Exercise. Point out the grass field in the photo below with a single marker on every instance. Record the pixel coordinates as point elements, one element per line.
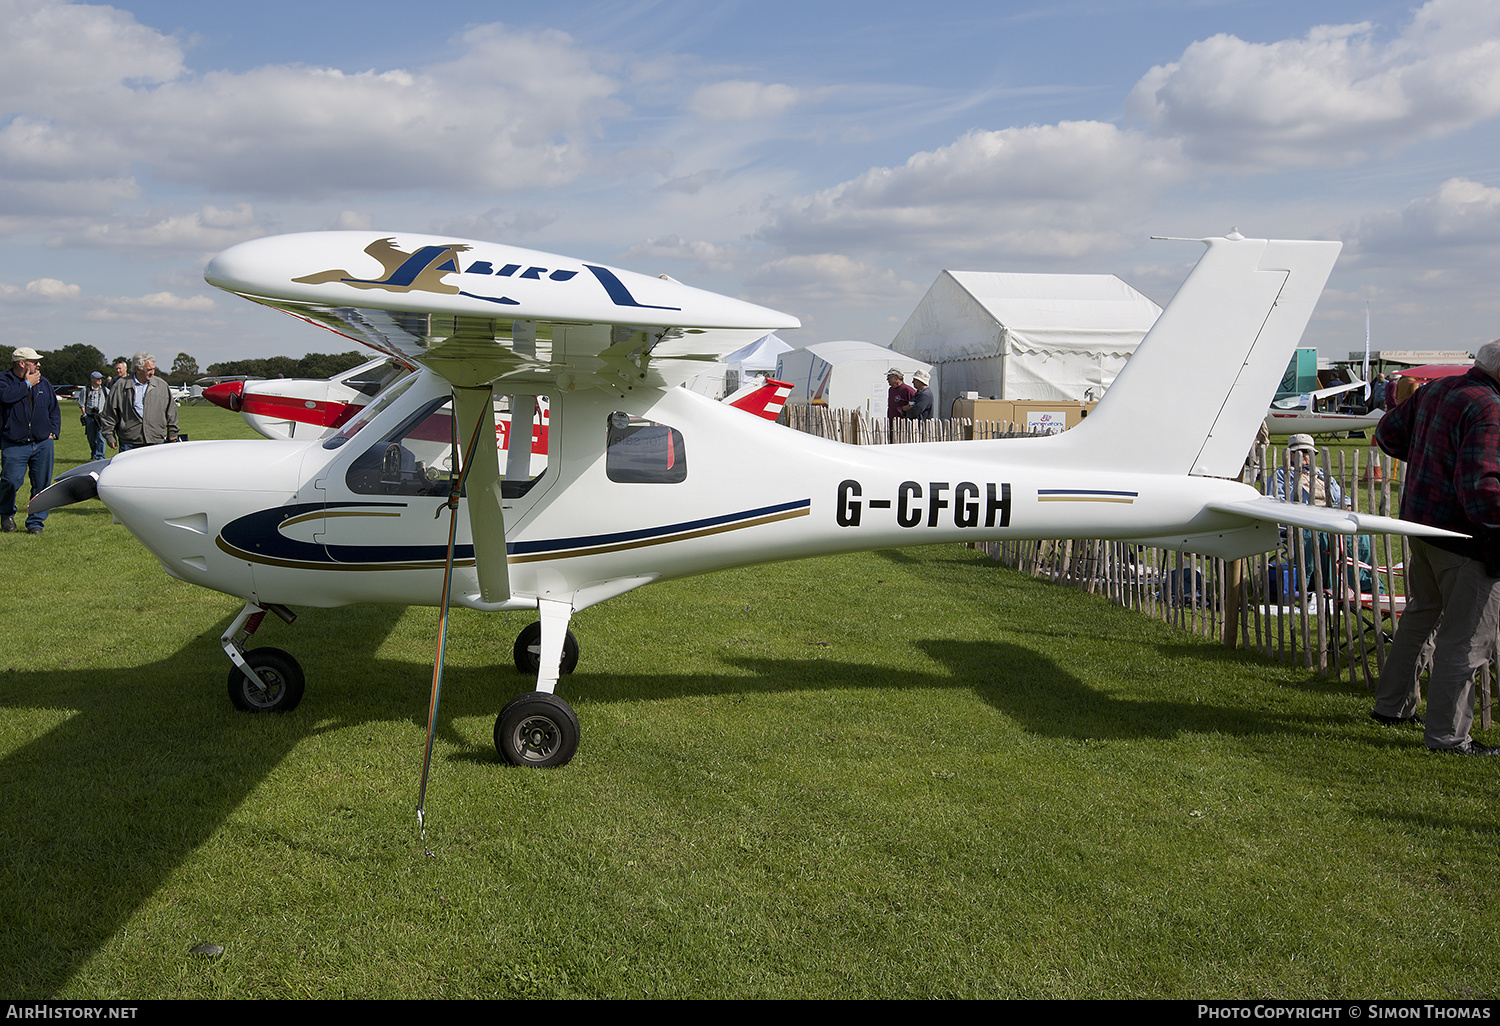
<point>896,774</point>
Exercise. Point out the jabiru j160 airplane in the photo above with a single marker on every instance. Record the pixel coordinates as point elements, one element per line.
<point>645,481</point>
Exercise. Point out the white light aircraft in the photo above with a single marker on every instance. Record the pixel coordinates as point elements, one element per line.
<point>1299,414</point>
<point>646,482</point>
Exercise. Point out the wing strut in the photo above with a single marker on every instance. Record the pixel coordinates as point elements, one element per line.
<point>478,459</point>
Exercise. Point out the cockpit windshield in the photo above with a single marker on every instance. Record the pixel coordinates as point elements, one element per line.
<point>371,411</point>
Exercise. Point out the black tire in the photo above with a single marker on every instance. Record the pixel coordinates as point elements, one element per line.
<point>538,730</point>
<point>283,677</point>
<point>528,651</point>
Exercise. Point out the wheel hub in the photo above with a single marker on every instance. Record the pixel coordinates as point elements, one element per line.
<point>537,737</point>
<point>268,694</point>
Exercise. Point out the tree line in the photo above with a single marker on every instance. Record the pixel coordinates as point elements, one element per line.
<point>72,365</point>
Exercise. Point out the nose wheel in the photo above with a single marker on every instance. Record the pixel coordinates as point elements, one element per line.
<point>537,729</point>
<point>279,687</point>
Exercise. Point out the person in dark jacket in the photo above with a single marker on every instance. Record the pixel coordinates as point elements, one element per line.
<point>30,421</point>
<point>1449,435</point>
<point>920,406</point>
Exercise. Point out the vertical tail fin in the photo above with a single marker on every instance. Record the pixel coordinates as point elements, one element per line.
<point>1191,397</point>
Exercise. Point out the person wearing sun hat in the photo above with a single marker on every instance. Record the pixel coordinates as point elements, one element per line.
<point>30,421</point>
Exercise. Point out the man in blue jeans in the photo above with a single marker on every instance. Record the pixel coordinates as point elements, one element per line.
<point>30,421</point>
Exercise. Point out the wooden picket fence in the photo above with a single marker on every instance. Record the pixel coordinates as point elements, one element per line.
<point>1325,602</point>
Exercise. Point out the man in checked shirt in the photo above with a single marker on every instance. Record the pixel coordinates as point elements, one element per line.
<point>1448,434</point>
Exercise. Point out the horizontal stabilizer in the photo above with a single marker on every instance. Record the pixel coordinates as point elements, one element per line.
<point>1325,518</point>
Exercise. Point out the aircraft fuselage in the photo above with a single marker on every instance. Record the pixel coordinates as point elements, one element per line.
<point>287,522</point>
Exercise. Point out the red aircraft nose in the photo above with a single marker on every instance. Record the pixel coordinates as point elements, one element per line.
<point>225,394</point>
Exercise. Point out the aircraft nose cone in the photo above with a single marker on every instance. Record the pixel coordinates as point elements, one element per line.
<point>227,394</point>
<point>176,499</point>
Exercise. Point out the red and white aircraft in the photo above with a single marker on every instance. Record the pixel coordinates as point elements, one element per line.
<point>645,481</point>
<point>304,408</point>
<point>310,408</point>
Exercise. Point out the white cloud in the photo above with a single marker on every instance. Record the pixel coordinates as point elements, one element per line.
<point>742,101</point>
<point>1332,97</point>
<point>89,93</point>
<point>205,230</point>
<point>52,289</point>
<point>827,278</point>
<point>673,247</point>
<point>351,221</point>
<point>59,60</point>
<point>42,290</point>
<point>1460,215</point>
<point>495,224</point>
<point>146,308</point>
<point>693,183</point>
<point>1057,190</point>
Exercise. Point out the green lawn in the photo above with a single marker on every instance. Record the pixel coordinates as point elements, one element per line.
<point>902,773</point>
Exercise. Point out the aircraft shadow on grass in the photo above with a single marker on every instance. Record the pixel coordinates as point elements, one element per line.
<point>97,815</point>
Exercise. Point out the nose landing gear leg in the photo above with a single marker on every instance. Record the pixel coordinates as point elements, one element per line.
<point>262,679</point>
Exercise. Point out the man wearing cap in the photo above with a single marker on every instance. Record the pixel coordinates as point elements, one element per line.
<point>30,421</point>
<point>920,406</point>
<point>899,395</point>
<point>91,403</point>
<point>140,410</point>
<point>1449,435</point>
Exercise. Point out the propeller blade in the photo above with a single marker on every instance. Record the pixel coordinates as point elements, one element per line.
<point>475,410</point>
<point>75,485</point>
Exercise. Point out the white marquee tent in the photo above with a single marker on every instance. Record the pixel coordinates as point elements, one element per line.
<point>1026,336</point>
<point>845,375</point>
<point>750,362</point>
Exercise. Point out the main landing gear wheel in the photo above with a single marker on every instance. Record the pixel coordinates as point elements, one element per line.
<point>537,729</point>
<point>283,682</point>
<point>528,651</point>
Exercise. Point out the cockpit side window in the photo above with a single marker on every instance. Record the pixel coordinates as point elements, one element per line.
<point>644,452</point>
<point>415,459</point>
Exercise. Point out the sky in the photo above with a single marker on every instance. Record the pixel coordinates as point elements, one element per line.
<point>825,159</point>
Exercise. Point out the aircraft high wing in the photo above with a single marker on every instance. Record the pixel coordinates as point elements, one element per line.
<point>407,503</point>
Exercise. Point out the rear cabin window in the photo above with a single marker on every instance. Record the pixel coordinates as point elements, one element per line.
<point>644,452</point>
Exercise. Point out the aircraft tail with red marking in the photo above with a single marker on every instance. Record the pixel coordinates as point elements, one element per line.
<point>763,400</point>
